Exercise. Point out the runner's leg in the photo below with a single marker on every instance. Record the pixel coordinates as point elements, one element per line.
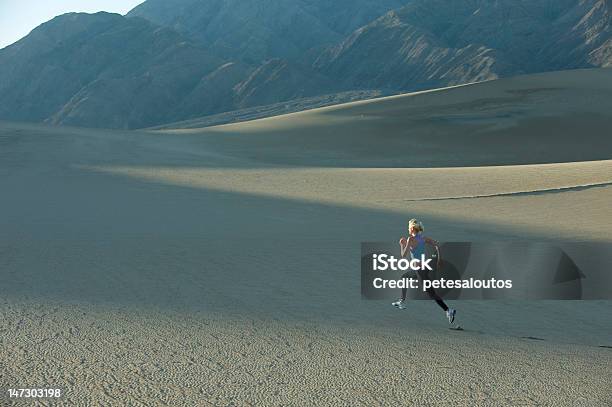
<point>432,293</point>
<point>405,289</point>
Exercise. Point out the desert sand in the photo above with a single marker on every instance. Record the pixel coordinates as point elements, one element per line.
<point>220,266</point>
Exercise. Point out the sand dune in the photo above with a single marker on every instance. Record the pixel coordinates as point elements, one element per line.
<point>391,187</point>
<point>220,266</point>
<point>544,118</point>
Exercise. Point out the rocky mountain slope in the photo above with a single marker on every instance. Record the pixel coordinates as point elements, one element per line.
<point>177,60</point>
<point>255,31</point>
<point>105,70</point>
<point>431,43</point>
<point>100,70</point>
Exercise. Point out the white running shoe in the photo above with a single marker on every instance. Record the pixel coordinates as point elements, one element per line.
<point>450,314</point>
<point>401,304</point>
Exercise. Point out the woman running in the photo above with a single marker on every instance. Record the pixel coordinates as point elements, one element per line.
<point>415,244</point>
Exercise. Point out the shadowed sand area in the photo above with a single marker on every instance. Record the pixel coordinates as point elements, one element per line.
<point>220,266</point>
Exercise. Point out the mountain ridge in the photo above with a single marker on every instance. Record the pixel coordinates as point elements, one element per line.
<point>108,70</point>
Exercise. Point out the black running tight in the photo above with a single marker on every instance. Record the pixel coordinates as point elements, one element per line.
<point>430,291</point>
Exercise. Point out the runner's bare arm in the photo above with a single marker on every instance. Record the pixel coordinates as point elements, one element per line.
<point>436,245</point>
<point>403,242</point>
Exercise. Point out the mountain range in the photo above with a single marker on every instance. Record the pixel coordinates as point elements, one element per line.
<point>173,60</point>
<point>431,43</point>
<point>255,31</point>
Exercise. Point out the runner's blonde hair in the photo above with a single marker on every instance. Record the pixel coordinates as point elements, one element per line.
<point>417,224</point>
